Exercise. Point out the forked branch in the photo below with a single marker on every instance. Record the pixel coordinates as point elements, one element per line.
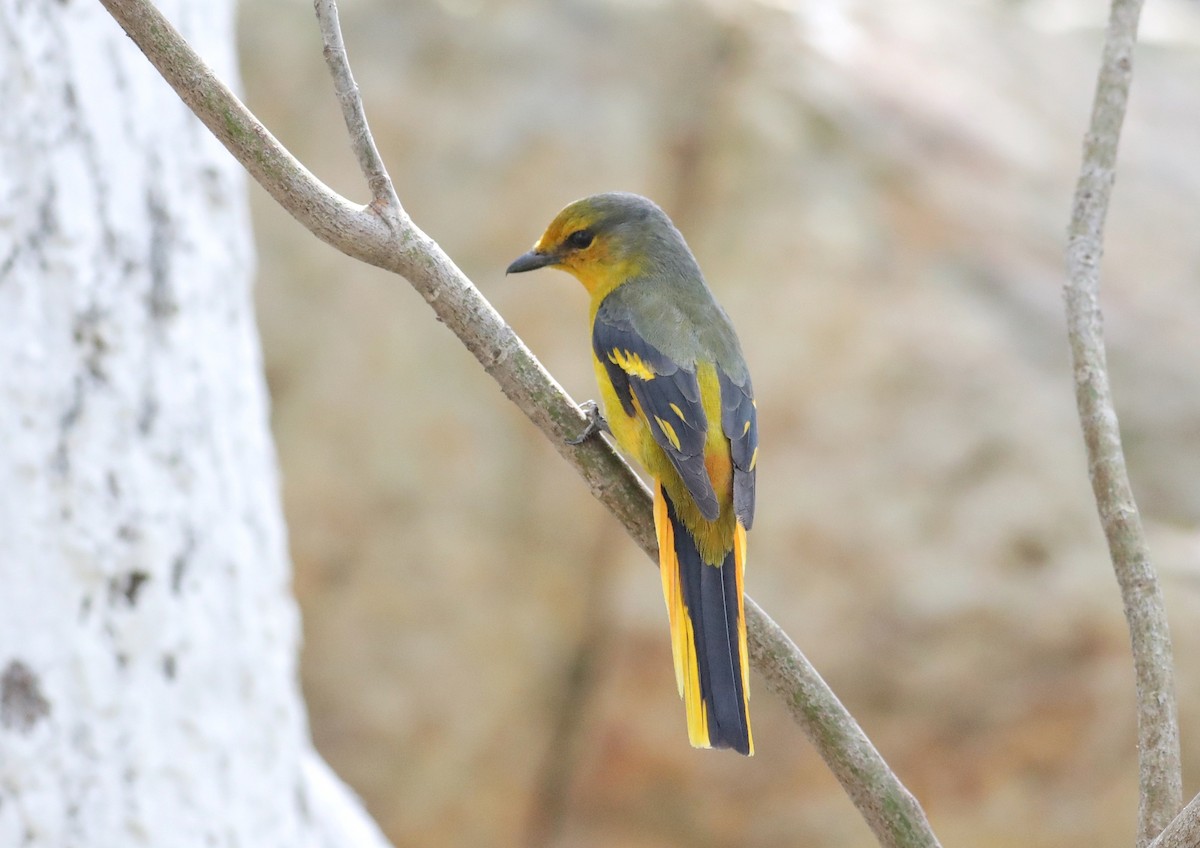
<point>382,234</point>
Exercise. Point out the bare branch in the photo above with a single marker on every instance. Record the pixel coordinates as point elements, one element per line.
<point>399,246</point>
<point>1184,829</point>
<point>1158,725</point>
<point>888,807</point>
<point>383,193</point>
<point>329,216</point>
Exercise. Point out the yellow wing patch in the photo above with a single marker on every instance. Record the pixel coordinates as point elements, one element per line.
<point>631,363</point>
<point>669,432</point>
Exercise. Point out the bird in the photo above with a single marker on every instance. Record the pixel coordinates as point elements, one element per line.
<point>677,397</point>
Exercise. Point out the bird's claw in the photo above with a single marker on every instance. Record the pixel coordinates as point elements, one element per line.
<point>595,423</point>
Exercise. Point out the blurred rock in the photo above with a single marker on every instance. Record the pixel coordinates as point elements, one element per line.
<point>879,195</point>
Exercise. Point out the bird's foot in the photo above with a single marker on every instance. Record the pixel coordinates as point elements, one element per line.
<point>595,423</point>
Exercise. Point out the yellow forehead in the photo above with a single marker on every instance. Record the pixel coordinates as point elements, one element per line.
<point>570,220</point>
<point>602,265</point>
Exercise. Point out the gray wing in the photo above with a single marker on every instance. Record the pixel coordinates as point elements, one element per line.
<point>739,420</point>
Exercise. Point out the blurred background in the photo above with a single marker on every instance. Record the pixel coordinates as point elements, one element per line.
<point>878,193</point>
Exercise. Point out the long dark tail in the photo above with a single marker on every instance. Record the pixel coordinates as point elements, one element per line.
<point>708,633</point>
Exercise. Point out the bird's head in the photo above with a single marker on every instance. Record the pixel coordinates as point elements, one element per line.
<point>604,240</point>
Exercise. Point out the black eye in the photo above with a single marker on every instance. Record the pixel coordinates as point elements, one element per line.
<point>580,239</point>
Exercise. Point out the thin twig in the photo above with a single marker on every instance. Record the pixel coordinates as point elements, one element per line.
<point>1160,781</point>
<point>346,89</point>
<point>359,232</point>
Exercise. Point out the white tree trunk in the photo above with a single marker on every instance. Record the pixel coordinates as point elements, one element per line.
<point>148,639</point>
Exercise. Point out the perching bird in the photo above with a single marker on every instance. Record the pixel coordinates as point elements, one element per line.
<point>677,397</point>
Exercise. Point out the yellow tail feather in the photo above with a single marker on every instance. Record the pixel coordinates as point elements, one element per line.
<point>683,638</point>
<point>739,559</point>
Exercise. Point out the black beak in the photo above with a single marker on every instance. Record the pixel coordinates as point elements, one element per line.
<point>531,261</point>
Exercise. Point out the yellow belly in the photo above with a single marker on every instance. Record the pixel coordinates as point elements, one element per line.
<point>631,432</point>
